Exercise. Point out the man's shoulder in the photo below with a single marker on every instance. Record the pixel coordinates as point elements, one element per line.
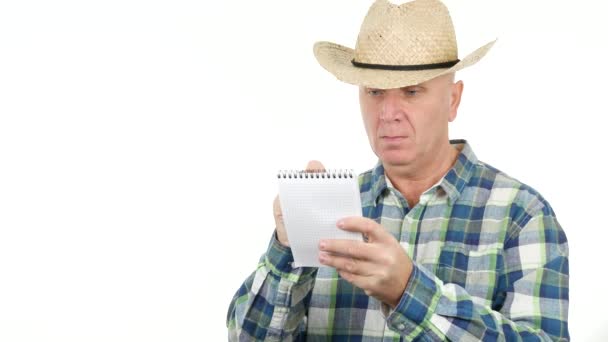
<point>491,186</point>
<point>365,179</point>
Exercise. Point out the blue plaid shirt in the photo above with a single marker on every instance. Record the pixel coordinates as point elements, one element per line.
<point>490,263</point>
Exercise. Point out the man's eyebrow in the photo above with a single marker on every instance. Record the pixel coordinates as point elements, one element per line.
<point>413,86</point>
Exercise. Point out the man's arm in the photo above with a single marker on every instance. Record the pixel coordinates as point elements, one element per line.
<point>531,301</point>
<point>271,304</point>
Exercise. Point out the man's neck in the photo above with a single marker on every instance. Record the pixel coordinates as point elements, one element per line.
<point>412,182</point>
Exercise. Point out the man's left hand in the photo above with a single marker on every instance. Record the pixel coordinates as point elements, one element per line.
<point>379,266</point>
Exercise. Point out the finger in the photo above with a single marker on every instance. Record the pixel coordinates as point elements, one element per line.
<point>349,248</point>
<point>361,281</point>
<point>276,208</point>
<point>315,165</point>
<point>278,213</point>
<point>279,223</point>
<point>348,264</point>
<point>368,227</point>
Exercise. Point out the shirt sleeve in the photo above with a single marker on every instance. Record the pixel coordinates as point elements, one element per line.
<point>530,304</point>
<point>271,304</point>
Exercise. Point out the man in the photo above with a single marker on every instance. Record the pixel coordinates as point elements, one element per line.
<point>455,250</point>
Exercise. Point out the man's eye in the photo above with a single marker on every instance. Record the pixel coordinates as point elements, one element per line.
<point>411,92</point>
<point>374,92</point>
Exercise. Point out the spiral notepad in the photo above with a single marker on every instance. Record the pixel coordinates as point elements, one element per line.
<point>312,202</point>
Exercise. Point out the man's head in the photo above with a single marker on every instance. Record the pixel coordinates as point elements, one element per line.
<point>404,63</point>
<point>406,126</point>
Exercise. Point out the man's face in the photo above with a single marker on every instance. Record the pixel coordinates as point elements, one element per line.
<point>409,125</point>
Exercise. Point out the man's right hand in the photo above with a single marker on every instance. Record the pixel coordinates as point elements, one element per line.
<point>313,165</point>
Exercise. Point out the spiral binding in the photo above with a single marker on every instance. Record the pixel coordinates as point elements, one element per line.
<point>316,174</point>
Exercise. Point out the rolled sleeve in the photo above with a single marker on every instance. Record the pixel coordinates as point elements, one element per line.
<point>417,304</point>
<point>279,260</point>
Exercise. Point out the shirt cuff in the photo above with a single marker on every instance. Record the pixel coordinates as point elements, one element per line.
<point>417,304</point>
<point>279,260</point>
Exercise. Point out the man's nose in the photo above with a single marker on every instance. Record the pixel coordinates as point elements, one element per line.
<point>392,108</point>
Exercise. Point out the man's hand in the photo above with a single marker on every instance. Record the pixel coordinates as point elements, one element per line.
<point>379,266</point>
<point>313,165</point>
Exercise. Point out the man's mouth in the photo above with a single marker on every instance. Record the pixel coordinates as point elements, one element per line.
<point>393,138</point>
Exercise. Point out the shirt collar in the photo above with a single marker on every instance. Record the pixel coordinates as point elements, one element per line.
<point>452,183</point>
<point>378,181</point>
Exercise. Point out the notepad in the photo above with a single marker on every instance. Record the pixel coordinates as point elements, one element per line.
<point>311,203</point>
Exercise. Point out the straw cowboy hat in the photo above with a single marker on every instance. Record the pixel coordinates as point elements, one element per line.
<point>398,46</point>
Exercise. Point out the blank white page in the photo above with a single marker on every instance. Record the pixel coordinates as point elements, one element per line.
<point>311,204</point>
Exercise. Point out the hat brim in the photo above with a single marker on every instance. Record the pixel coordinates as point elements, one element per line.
<point>337,59</point>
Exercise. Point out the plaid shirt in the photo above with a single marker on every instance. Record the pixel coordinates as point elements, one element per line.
<point>490,263</point>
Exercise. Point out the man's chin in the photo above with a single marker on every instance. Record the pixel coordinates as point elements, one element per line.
<point>393,158</point>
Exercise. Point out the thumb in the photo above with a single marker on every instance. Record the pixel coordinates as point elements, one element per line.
<point>315,165</point>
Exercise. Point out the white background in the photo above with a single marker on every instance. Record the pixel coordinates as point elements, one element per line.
<point>139,142</point>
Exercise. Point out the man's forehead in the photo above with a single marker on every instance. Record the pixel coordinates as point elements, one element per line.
<point>446,78</point>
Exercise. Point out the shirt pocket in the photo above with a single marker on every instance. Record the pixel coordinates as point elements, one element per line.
<point>475,270</point>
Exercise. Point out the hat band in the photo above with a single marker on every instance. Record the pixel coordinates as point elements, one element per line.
<point>406,67</point>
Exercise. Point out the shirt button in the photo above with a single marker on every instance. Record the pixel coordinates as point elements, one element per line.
<point>401,326</point>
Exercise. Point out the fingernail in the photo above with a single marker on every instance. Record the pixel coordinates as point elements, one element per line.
<point>322,245</point>
<point>322,257</point>
<point>340,223</point>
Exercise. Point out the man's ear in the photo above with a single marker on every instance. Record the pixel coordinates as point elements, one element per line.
<point>455,96</point>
